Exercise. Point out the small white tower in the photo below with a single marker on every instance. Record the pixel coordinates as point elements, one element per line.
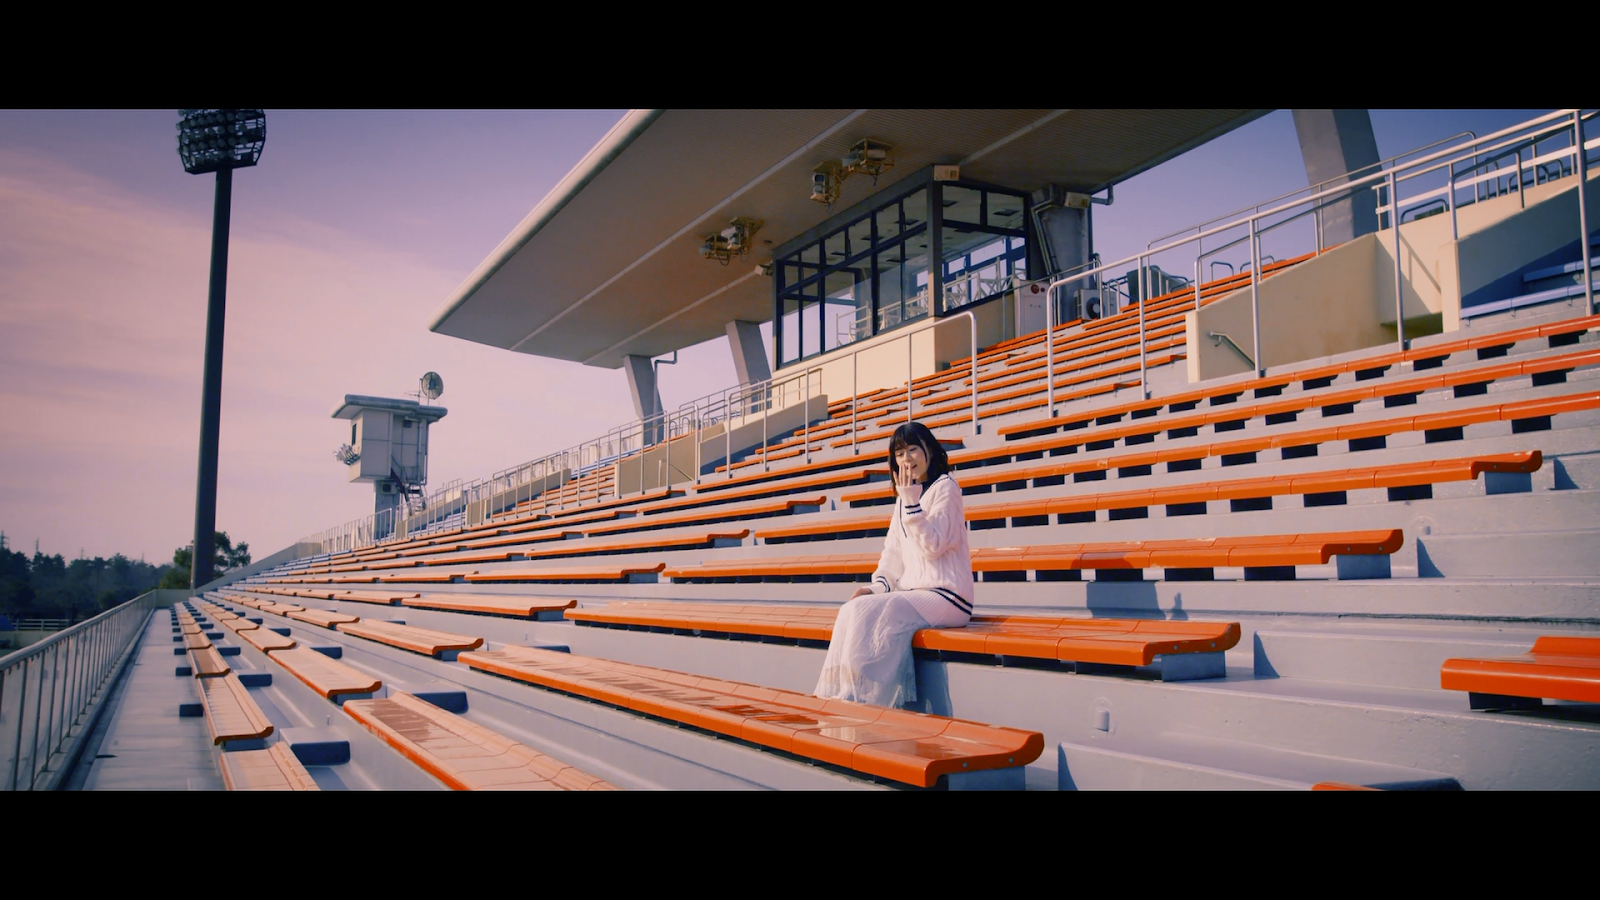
<point>388,445</point>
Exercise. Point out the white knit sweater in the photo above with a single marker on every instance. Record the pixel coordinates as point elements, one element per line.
<point>927,545</point>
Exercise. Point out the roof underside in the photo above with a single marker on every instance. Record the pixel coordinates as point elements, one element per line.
<point>609,264</point>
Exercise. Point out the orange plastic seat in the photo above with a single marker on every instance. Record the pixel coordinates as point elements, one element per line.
<point>272,769</point>
<point>265,639</point>
<point>326,676</point>
<point>409,637</point>
<point>230,713</point>
<point>207,663</point>
<point>464,755</point>
<point>323,617</point>
<point>1123,642</point>
<point>908,747</point>
<point>1557,668</point>
<point>491,604</point>
<point>617,572</point>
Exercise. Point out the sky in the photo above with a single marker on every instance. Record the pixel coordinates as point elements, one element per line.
<point>355,227</point>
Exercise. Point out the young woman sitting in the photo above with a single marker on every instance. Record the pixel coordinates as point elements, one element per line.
<point>923,580</point>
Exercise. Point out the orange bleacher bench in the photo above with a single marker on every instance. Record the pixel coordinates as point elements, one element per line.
<point>898,745</point>
<point>265,639</point>
<point>1110,642</point>
<point>231,716</point>
<point>491,604</point>
<point>441,644</point>
<point>1557,668</point>
<point>618,572</point>
<point>272,769</point>
<point>1268,555</point>
<point>464,755</point>
<point>323,617</point>
<point>332,679</point>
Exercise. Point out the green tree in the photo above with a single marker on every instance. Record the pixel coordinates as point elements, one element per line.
<point>228,557</point>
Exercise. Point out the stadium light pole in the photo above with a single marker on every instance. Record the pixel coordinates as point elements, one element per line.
<point>215,140</point>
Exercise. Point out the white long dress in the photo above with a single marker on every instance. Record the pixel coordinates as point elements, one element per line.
<point>923,580</point>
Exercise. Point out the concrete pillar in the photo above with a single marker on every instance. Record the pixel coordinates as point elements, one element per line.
<point>749,353</point>
<point>1335,142</point>
<point>1061,220</point>
<point>646,395</point>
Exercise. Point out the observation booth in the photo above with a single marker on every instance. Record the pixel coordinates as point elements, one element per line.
<point>866,245</point>
<point>388,449</point>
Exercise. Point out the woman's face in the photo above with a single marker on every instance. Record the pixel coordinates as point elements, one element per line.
<point>912,459</point>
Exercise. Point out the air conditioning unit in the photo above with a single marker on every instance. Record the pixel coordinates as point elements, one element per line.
<point>388,487</point>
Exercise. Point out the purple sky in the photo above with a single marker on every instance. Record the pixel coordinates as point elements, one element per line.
<point>354,228</point>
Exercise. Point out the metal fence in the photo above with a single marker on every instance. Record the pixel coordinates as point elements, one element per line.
<point>50,692</point>
<point>628,448</point>
<point>1474,167</point>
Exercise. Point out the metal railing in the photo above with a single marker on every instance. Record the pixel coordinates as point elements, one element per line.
<point>50,692</point>
<point>1464,168</point>
<point>626,445</point>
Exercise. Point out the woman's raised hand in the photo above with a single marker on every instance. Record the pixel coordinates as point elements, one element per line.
<point>910,489</point>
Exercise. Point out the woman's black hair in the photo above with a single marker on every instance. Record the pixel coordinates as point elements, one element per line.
<point>918,433</point>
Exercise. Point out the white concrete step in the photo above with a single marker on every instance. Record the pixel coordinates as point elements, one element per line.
<point>1186,762</point>
<point>1377,655</point>
<point>1567,554</point>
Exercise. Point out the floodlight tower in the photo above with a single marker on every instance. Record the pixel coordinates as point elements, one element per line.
<point>215,140</point>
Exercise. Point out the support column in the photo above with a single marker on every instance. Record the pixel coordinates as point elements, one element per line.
<point>646,395</point>
<point>749,353</point>
<point>1061,221</point>
<point>1336,142</point>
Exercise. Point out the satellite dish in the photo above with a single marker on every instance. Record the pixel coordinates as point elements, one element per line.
<point>432,385</point>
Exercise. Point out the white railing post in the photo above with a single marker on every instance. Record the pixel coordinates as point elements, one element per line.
<point>1581,166</point>
<point>1144,296</point>
<point>1255,293</point>
<point>1399,296</point>
<point>1049,350</point>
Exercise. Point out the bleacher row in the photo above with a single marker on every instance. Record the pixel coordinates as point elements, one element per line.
<point>1215,485</point>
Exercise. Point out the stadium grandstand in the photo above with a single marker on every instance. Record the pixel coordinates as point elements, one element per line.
<point>1302,497</point>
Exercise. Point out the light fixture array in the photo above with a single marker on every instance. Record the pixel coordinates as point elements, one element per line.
<point>735,240</point>
<point>866,157</point>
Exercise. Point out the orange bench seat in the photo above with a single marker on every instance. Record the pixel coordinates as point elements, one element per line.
<point>1250,552</point>
<point>620,572</point>
<point>491,604</point>
<point>409,637</point>
<point>272,769</point>
<point>328,677</point>
<point>230,713</point>
<point>1556,668</point>
<point>899,745</point>
<point>323,617</point>
<point>1118,642</point>
<point>462,754</point>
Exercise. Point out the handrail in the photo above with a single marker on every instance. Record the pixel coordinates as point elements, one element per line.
<point>1324,183</point>
<point>1559,121</point>
<point>1572,118</point>
<point>60,682</point>
<point>1217,337</point>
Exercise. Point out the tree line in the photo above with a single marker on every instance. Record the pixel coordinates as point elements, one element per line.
<point>52,587</point>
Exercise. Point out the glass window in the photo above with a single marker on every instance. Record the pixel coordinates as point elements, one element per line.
<point>789,325</point>
<point>1005,211</point>
<point>847,312</point>
<point>888,220</point>
<point>915,209</point>
<point>860,236</point>
<point>835,248</point>
<point>829,289</point>
<point>963,204</point>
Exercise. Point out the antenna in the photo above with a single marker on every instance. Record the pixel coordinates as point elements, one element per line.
<point>429,387</point>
